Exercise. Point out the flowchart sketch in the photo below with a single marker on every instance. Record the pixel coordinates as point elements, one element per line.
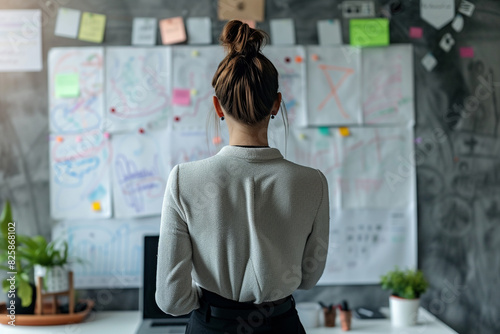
<point>137,87</point>
<point>367,243</point>
<point>80,185</point>
<point>387,85</point>
<point>140,173</point>
<point>289,61</point>
<point>376,168</point>
<point>192,92</point>
<point>333,86</point>
<point>76,89</point>
<point>112,250</point>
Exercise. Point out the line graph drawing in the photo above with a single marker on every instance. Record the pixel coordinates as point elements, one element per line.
<point>80,113</point>
<point>388,85</point>
<point>137,86</point>
<point>79,176</point>
<point>333,86</point>
<point>140,173</point>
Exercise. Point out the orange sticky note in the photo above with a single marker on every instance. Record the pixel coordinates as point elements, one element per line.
<point>96,206</point>
<point>344,132</point>
<point>172,30</point>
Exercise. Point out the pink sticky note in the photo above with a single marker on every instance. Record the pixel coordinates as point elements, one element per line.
<point>181,97</point>
<point>172,30</point>
<point>416,32</point>
<point>466,52</point>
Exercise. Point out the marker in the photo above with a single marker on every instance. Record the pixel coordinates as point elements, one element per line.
<point>344,306</point>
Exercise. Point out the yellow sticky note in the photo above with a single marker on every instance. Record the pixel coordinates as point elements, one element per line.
<point>344,132</point>
<point>67,85</point>
<point>369,32</point>
<point>92,27</point>
<point>96,206</point>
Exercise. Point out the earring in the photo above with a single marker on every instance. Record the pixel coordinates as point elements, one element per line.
<point>272,116</point>
<point>222,118</point>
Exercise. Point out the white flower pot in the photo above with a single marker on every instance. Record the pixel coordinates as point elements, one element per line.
<point>404,312</point>
<point>55,279</point>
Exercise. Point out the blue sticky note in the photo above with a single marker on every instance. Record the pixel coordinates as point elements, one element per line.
<point>325,131</point>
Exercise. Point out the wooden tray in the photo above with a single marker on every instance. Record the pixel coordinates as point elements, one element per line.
<point>46,319</point>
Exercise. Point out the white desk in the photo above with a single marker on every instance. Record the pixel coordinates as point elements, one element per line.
<point>126,322</point>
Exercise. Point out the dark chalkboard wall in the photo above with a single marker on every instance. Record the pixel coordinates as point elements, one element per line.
<point>458,159</point>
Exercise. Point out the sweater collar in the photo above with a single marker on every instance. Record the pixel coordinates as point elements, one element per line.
<point>251,153</point>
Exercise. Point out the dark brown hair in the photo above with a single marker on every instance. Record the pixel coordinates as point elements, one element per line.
<point>246,82</point>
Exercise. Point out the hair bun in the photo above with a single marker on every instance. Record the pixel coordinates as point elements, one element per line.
<point>238,38</point>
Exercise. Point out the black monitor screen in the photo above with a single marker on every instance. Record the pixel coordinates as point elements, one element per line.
<point>150,309</point>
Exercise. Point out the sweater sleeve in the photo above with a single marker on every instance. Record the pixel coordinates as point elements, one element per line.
<point>316,250</point>
<point>176,292</point>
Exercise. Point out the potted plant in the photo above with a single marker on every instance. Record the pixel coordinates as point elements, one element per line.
<point>407,286</point>
<point>21,292</point>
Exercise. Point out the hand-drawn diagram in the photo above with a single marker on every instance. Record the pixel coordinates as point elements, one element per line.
<point>139,173</point>
<point>79,176</point>
<point>112,249</point>
<point>137,87</point>
<point>388,85</point>
<point>193,70</point>
<point>84,111</point>
<point>292,80</point>
<point>333,86</point>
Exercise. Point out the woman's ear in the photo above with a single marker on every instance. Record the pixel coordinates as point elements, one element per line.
<point>276,105</point>
<point>217,106</point>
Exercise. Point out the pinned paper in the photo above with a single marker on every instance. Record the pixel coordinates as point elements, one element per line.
<point>369,32</point>
<point>325,131</point>
<point>92,27</point>
<point>181,97</point>
<point>416,32</point>
<point>67,85</point>
<point>199,30</point>
<point>241,9</point>
<point>144,31</point>
<point>96,206</point>
<point>282,32</point>
<point>217,140</point>
<point>466,52</point>
<point>329,32</point>
<point>172,30</point>
<point>437,13</point>
<point>429,62</point>
<point>447,42</point>
<point>68,21</point>
<point>466,8</point>
<point>344,132</point>
<point>458,23</point>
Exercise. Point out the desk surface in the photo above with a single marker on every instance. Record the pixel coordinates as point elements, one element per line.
<point>126,322</point>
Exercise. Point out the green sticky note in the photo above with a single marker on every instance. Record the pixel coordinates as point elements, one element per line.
<point>325,131</point>
<point>67,85</point>
<point>92,27</point>
<point>369,32</point>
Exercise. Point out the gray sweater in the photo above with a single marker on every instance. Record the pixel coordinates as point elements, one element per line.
<point>245,224</point>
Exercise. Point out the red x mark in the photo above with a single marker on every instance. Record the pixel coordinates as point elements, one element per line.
<point>333,87</point>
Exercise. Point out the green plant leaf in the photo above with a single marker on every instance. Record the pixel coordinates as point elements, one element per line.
<point>25,291</point>
<point>5,219</point>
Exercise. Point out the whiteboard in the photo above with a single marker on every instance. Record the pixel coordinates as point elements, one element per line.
<point>140,171</point>
<point>80,176</point>
<point>137,87</point>
<point>85,111</point>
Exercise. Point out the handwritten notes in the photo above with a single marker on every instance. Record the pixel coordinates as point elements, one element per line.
<point>199,30</point>
<point>173,30</point>
<point>20,40</point>
<point>329,32</point>
<point>144,31</point>
<point>68,21</point>
<point>369,32</point>
<point>92,27</point>
<point>67,85</point>
<point>241,9</point>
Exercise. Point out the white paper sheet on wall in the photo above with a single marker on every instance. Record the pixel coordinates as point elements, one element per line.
<point>140,172</point>
<point>137,87</point>
<point>387,85</point>
<point>333,86</point>
<point>80,176</point>
<point>20,40</point>
<point>83,111</point>
<point>112,250</point>
<point>292,80</point>
<point>193,70</point>
<point>144,31</point>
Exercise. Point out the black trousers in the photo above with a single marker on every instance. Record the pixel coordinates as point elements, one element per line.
<point>242,318</point>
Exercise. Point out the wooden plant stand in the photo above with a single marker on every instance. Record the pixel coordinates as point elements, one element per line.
<point>53,295</point>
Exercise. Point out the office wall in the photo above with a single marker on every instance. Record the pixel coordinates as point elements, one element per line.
<point>458,158</point>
